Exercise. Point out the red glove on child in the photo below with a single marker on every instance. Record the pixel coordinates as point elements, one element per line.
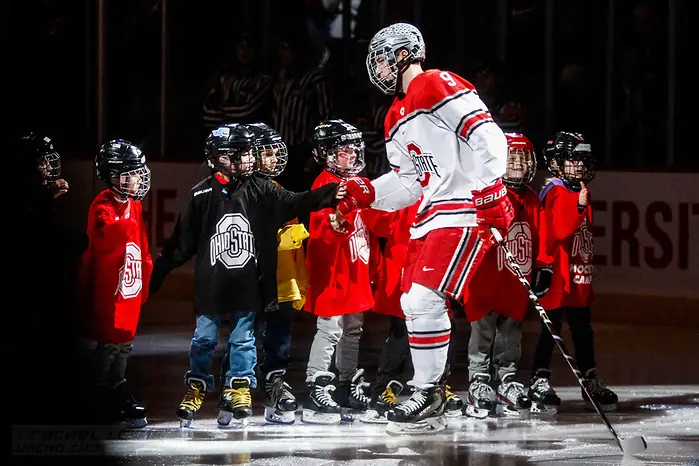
<point>493,209</point>
<point>360,194</point>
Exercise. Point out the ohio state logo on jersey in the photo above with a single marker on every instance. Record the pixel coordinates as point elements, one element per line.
<point>583,243</point>
<point>424,163</point>
<point>519,242</point>
<point>233,243</point>
<point>130,278</point>
<point>359,242</point>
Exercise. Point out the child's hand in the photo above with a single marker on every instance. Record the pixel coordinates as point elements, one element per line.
<point>582,198</point>
<point>58,187</point>
<point>338,223</point>
<point>341,191</point>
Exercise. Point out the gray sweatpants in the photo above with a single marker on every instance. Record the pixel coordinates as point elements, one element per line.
<point>110,362</point>
<point>495,343</point>
<point>339,335</point>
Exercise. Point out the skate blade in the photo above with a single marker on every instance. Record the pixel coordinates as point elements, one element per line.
<point>136,423</point>
<point>633,445</point>
<point>606,408</point>
<point>347,415</point>
<point>279,417</point>
<point>543,410</point>
<point>454,413</point>
<point>226,419</point>
<point>185,423</point>
<point>429,426</point>
<point>511,412</point>
<point>476,413</point>
<point>313,417</point>
<point>373,417</point>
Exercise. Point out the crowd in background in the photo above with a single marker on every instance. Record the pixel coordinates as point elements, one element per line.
<point>294,65</point>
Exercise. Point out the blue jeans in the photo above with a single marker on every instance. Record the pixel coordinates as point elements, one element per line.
<point>241,354</point>
<point>276,338</point>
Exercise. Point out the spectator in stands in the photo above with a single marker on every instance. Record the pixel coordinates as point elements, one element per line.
<point>490,81</point>
<point>241,91</point>
<point>301,100</point>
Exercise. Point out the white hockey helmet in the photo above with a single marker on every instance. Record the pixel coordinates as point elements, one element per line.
<point>381,63</point>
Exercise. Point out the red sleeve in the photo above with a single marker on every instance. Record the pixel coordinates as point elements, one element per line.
<point>103,228</point>
<point>146,258</point>
<point>561,216</point>
<point>379,222</point>
<point>533,206</point>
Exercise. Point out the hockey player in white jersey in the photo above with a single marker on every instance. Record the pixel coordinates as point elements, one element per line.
<point>443,145</point>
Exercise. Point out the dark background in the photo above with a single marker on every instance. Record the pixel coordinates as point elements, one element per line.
<point>603,67</point>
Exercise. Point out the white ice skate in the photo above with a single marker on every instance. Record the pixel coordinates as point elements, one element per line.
<point>512,399</point>
<point>480,400</point>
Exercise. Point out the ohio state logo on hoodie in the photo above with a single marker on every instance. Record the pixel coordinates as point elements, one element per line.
<point>130,278</point>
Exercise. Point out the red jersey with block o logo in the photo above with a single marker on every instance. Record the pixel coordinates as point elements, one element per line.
<point>568,239</point>
<point>338,263</point>
<point>495,286</point>
<point>115,268</point>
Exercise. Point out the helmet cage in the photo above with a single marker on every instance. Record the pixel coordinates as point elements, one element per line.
<point>521,167</point>
<point>271,159</point>
<point>576,166</point>
<point>49,167</point>
<point>230,161</point>
<point>133,184</point>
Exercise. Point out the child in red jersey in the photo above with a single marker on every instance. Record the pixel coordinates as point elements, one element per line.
<point>496,303</point>
<point>567,220</point>
<point>338,262</point>
<point>115,271</point>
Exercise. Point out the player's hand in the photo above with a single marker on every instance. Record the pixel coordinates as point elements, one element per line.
<point>493,210</point>
<point>58,187</point>
<point>541,281</point>
<point>360,194</point>
<point>341,191</point>
<point>582,197</point>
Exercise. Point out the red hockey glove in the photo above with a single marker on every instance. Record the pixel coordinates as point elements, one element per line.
<point>493,210</point>
<point>360,194</point>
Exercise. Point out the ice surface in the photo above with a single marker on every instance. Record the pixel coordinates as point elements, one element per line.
<point>666,416</point>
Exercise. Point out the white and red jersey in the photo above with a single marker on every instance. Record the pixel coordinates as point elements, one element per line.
<point>442,143</point>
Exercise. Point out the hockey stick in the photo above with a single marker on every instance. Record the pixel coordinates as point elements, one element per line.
<point>631,445</point>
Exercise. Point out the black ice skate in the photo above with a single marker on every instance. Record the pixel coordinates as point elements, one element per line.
<point>543,396</point>
<point>280,403</point>
<point>351,396</point>
<point>235,403</point>
<point>132,413</point>
<point>422,413</point>
<point>382,402</point>
<point>606,398</point>
<point>319,407</point>
<point>454,403</point>
<point>511,397</point>
<point>480,400</point>
<point>192,401</point>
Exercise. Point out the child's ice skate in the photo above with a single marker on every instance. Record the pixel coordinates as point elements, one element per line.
<point>191,404</point>
<point>235,403</point>
<point>422,413</point>
<point>480,400</point>
<point>511,397</point>
<point>542,395</point>
<point>606,398</point>
<point>382,402</point>
<point>351,396</point>
<point>319,407</point>
<point>454,403</point>
<point>132,413</point>
<point>280,403</point>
